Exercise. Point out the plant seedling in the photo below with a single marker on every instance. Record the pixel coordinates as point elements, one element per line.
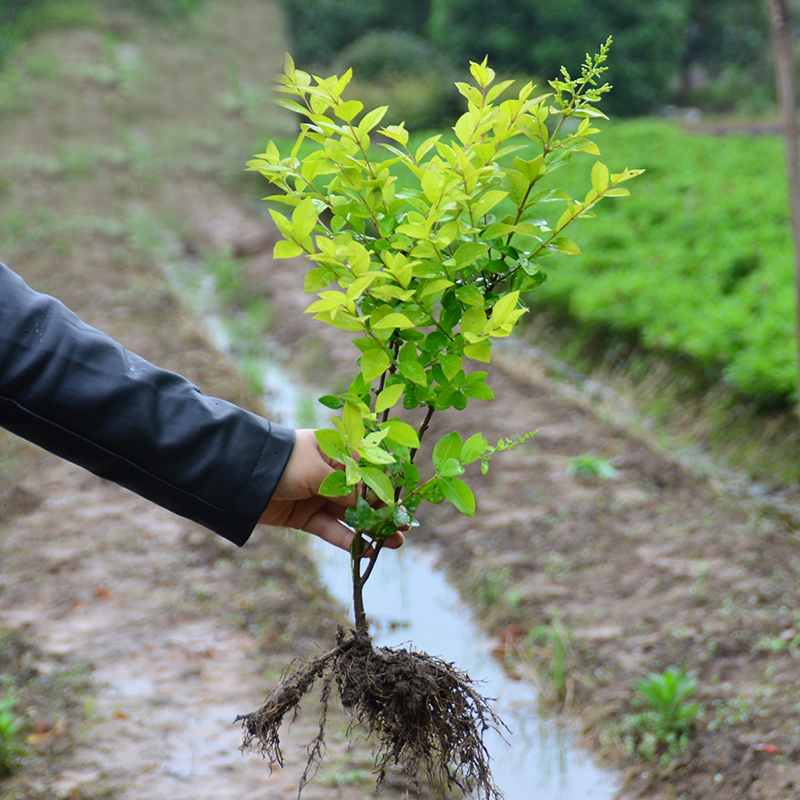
<point>666,723</point>
<point>423,252</point>
<point>12,750</point>
<point>591,467</point>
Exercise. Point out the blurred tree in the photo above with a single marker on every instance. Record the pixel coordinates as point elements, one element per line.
<point>722,35</point>
<point>321,28</point>
<point>538,36</point>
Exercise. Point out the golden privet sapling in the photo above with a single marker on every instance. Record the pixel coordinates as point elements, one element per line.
<point>424,254</point>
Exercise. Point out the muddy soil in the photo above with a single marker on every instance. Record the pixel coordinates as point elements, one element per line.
<point>180,632</point>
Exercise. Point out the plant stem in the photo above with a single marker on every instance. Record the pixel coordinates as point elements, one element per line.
<point>421,431</point>
<point>358,586</point>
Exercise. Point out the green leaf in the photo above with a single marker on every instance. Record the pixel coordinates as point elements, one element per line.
<point>332,443</point>
<point>392,321</point>
<point>331,401</point>
<point>361,517</point>
<point>353,423</point>
<point>449,446</point>
<point>469,253</point>
<point>401,432</point>
<point>482,351</point>
<point>375,455</point>
<point>474,448</point>
<point>504,307</point>
<point>335,485</point>
<point>401,517</point>
<point>317,279</point>
<point>437,285</point>
<point>410,477</point>
<point>348,110</point>
<point>374,363</point>
<point>459,494</point>
<point>304,218</point>
<point>371,119</point>
<point>389,396</point>
<point>599,177</point>
<point>379,483</point>
<point>470,295</point>
<point>488,202</point>
<point>451,364</point>
<point>478,391</point>
<point>451,468</point>
<point>414,371</point>
<point>284,248</point>
<point>473,321</point>
<point>565,245</point>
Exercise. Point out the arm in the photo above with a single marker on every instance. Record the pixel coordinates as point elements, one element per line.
<point>75,392</point>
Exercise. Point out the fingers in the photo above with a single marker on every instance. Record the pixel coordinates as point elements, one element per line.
<point>325,524</point>
<point>330,529</point>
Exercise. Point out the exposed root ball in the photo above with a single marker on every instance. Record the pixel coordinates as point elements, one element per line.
<point>428,718</point>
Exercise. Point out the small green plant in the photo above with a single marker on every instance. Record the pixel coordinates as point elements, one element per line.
<point>422,253</point>
<point>552,648</point>
<point>12,750</point>
<point>591,467</point>
<point>663,728</point>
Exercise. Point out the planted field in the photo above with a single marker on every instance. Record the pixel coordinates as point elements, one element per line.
<point>698,262</point>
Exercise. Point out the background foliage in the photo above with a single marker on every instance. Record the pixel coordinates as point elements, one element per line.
<point>714,53</point>
<point>700,265</point>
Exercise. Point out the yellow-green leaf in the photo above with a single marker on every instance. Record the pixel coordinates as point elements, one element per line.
<point>379,483</point>
<point>394,320</point>
<point>304,218</point>
<point>482,351</point>
<point>353,423</point>
<point>402,433</point>
<point>414,371</point>
<point>599,177</point>
<point>374,363</point>
<point>389,396</point>
<point>286,249</point>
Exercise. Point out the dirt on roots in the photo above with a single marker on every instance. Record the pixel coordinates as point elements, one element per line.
<point>427,717</point>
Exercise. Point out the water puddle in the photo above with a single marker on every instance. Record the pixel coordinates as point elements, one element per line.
<point>410,603</point>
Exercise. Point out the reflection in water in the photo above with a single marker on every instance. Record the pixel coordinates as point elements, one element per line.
<point>411,604</point>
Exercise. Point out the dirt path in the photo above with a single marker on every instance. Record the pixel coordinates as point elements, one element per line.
<point>182,632</point>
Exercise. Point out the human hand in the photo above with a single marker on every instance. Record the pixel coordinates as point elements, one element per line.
<point>296,503</point>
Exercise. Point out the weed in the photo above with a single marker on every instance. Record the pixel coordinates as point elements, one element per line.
<point>492,586</point>
<point>12,750</point>
<point>254,374</point>
<point>552,648</point>
<point>231,285</point>
<point>664,727</point>
<point>591,467</point>
<point>778,644</point>
<point>731,712</point>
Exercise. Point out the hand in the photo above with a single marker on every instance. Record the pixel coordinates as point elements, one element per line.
<point>296,504</point>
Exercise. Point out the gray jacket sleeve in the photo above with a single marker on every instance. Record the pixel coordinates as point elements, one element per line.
<point>72,390</point>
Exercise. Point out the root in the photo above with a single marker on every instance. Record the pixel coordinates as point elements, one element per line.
<point>428,719</point>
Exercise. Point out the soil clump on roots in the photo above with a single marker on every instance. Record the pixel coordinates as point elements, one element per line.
<point>428,718</point>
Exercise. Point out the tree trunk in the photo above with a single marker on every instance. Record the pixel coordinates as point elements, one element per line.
<point>787,99</point>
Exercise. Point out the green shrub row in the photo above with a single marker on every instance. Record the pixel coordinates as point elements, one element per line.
<point>698,262</point>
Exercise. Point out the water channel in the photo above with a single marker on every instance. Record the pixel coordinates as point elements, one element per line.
<point>411,603</point>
